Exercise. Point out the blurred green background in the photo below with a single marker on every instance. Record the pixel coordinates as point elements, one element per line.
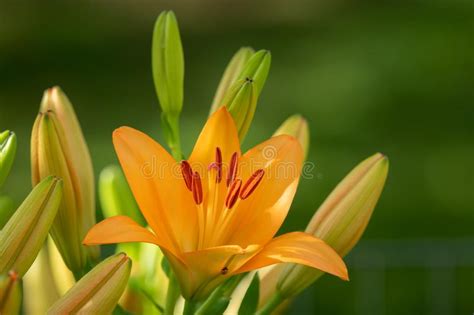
<point>394,77</point>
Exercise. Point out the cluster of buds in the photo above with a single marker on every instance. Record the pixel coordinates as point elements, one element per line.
<point>58,148</point>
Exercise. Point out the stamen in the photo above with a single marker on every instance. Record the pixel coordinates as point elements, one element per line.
<point>251,184</point>
<point>187,172</point>
<point>232,169</point>
<point>233,194</point>
<point>197,188</point>
<point>219,164</point>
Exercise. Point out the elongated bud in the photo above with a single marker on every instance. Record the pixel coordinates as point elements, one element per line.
<point>257,69</point>
<point>98,291</point>
<point>10,293</point>
<point>115,195</point>
<point>168,74</point>
<point>168,63</point>
<point>241,99</point>
<point>231,74</point>
<point>6,210</point>
<point>24,234</point>
<point>341,219</point>
<point>58,148</point>
<point>297,127</point>
<point>7,154</point>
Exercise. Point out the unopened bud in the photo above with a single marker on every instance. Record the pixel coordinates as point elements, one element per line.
<point>341,219</point>
<point>98,291</point>
<point>6,209</point>
<point>296,126</point>
<point>24,234</point>
<point>115,195</point>
<point>231,74</point>
<point>10,293</point>
<point>7,154</point>
<point>58,148</point>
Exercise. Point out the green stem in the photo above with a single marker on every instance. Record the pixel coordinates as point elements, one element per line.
<point>271,305</point>
<point>172,294</point>
<point>189,307</point>
<point>172,133</point>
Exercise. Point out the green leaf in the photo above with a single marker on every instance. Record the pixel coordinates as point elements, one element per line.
<point>250,302</point>
<point>7,154</point>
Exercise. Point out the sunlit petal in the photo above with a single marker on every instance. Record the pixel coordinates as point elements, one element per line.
<point>155,179</point>
<point>259,217</point>
<point>119,229</point>
<point>300,248</point>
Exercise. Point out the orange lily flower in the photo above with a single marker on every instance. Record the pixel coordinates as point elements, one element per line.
<point>216,214</point>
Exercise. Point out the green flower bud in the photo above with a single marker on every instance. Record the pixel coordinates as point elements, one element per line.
<point>341,219</point>
<point>257,69</point>
<point>168,63</point>
<point>58,148</point>
<point>241,102</point>
<point>115,195</point>
<point>241,99</point>
<point>98,291</point>
<point>24,234</point>
<point>231,74</point>
<point>10,294</point>
<point>297,127</point>
<point>168,74</point>
<point>7,154</point>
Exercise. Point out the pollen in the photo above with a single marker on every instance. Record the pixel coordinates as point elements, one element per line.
<point>233,194</point>
<point>187,172</point>
<point>197,188</point>
<point>219,164</point>
<point>232,169</point>
<point>251,184</point>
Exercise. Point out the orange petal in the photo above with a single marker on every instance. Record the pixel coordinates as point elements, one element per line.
<point>300,248</point>
<point>118,229</point>
<point>211,266</point>
<point>258,218</point>
<point>219,131</point>
<point>158,187</point>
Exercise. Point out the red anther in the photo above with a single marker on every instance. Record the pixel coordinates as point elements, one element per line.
<point>197,188</point>
<point>232,169</point>
<point>187,172</point>
<point>233,194</point>
<point>251,184</point>
<point>219,164</point>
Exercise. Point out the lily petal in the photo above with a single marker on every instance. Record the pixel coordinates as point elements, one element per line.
<point>160,191</point>
<point>213,265</point>
<point>219,131</point>
<point>119,229</point>
<point>300,248</point>
<point>259,217</point>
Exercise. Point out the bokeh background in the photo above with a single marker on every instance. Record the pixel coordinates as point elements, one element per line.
<point>395,77</point>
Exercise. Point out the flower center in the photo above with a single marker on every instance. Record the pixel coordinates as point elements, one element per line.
<point>214,205</point>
